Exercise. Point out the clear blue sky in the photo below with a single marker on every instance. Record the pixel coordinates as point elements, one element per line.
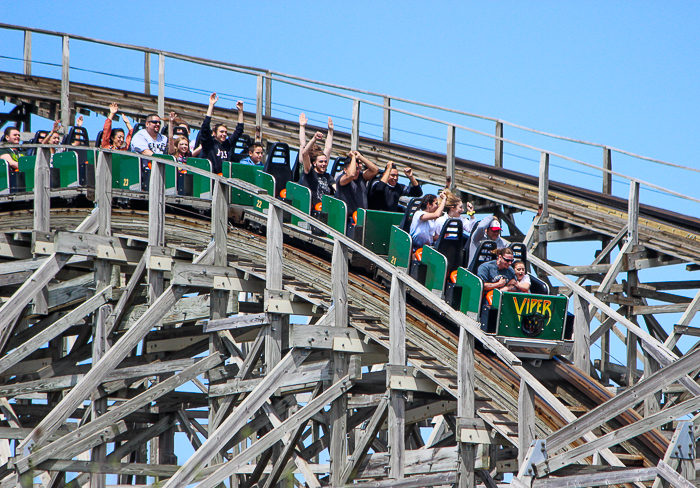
<point>624,74</point>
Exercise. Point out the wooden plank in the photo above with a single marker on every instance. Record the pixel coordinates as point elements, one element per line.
<point>127,295</point>
<point>618,436</point>
<point>623,401</point>
<point>543,194</point>
<point>103,247</point>
<point>235,322</point>
<point>65,84</point>
<point>438,479</point>
<point>236,420</point>
<point>218,277</point>
<point>42,209</point>
<point>599,479</point>
<point>339,415</point>
<point>581,353</point>
<point>119,412</point>
<point>670,475</point>
<point>526,420</point>
<point>421,461</point>
<point>466,384</point>
<point>54,330</point>
<point>274,436</point>
<point>113,357</point>
<point>363,444</point>
<point>317,337</point>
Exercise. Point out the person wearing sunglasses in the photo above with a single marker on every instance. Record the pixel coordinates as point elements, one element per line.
<point>496,275</point>
<point>148,141</point>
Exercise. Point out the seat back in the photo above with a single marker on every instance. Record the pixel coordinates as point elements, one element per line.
<point>373,229</point>
<point>277,165</point>
<point>37,139</point>
<point>139,126</point>
<point>300,197</point>
<point>98,139</point>
<point>296,170</point>
<point>484,253</point>
<point>450,244</point>
<point>126,172</point>
<point>337,212</point>
<point>519,251</point>
<point>240,151</point>
<point>411,209</point>
<point>400,247</point>
<point>338,165</point>
<point>537,286</point>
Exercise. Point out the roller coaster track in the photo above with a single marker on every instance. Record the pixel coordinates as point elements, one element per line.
<point>275,370</point>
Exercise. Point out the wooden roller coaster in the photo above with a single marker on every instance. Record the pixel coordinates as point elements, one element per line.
<point>293,357</point>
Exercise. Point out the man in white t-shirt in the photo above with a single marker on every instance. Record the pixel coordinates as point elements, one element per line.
<point>148,141</point>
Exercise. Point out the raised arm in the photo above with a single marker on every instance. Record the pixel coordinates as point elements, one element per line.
<point>171,143</point>
<point>329,140</point>
<point>387,170</point>
<point>438,213</point>
<point>371,170</point>
<point>409,174</point>
<point>349,169</point>
<point>129,127</point>
<point>212,101</point>
<point>236,133</point>
<point>302,130</point>
<point>305,158</point>
<point>54,129</point>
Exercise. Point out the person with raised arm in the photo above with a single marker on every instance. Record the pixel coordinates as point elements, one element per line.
<point>315,162</point>
<point>114,138</point>
<point>424,229</point>
<point>352,183</point>
<point>385,193</point>
<point>217,145</point>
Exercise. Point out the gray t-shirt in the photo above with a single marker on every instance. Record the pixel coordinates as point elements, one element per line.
<point>489,271</point>
<point>354,194</point>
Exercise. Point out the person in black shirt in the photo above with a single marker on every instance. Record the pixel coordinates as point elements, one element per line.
<point>315,162</point>
<point>352,182</point>
<point>386,192</point>
<point>217,145</point>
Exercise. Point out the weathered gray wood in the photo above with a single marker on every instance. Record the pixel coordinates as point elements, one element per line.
<point>42,204</point>
<point>543,198</point>
<point>526,420</point>
<point>386,126</point>
<point>419,461</point>
<point>466,384</point>
<point>306,374</point>
<point>438,479</point>
<point>317,337</point>
<point>661,354</point>
<point>218,277</point>
<point>99,405</point>
<point>103,193</point>
<point>363,444</point>
<point>53,330</point>
<point>584,270</point>
<point>127,295</point>
<point>237,321</point>
<point>161,85</point>
<point>620,477</point>
<point>259,93</point>
<point>450,157</point>
<point>272,437</point>
<point>119,412</point>
<point>236,420</point>
<point>633,213</point>
<point>147,73</point>
<point>65,84</point>
<point>268,96</point>
<point>355,126</point>
<point>100,246</point>
<point>581,353</point>
<point>499,144</point>
<point>607,176</point>
<point>120,349</point>
<point>339,417</point>
<point>670,475</point>
<point>623,401</point>
<point>397,357</point>
<point>28,53</point>
<point>622,434</point>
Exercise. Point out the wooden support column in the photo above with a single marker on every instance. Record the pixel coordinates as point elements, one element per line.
<point>526,420</point>
<point>607,177</point>
<point>632,278</point>
<point>147,73</point>
<point>28,53</point>
<point>65,84</point>
<point>259,101</point>
<point>161,85</point>
<point>339,407</point>
<point>42,214</point>
<point>581,353</point>
<point>386,127</point>
<point>543,201</point>
<point>156,225</point>
<point>99,405</point>
<point>451,157</point>
<point>499,144</point>
<point>268,95</point>
<point>397,360</point>
<point>355,133</point>
<point>465,407</point>
<point>218,299</point>
<point>633,213</point>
